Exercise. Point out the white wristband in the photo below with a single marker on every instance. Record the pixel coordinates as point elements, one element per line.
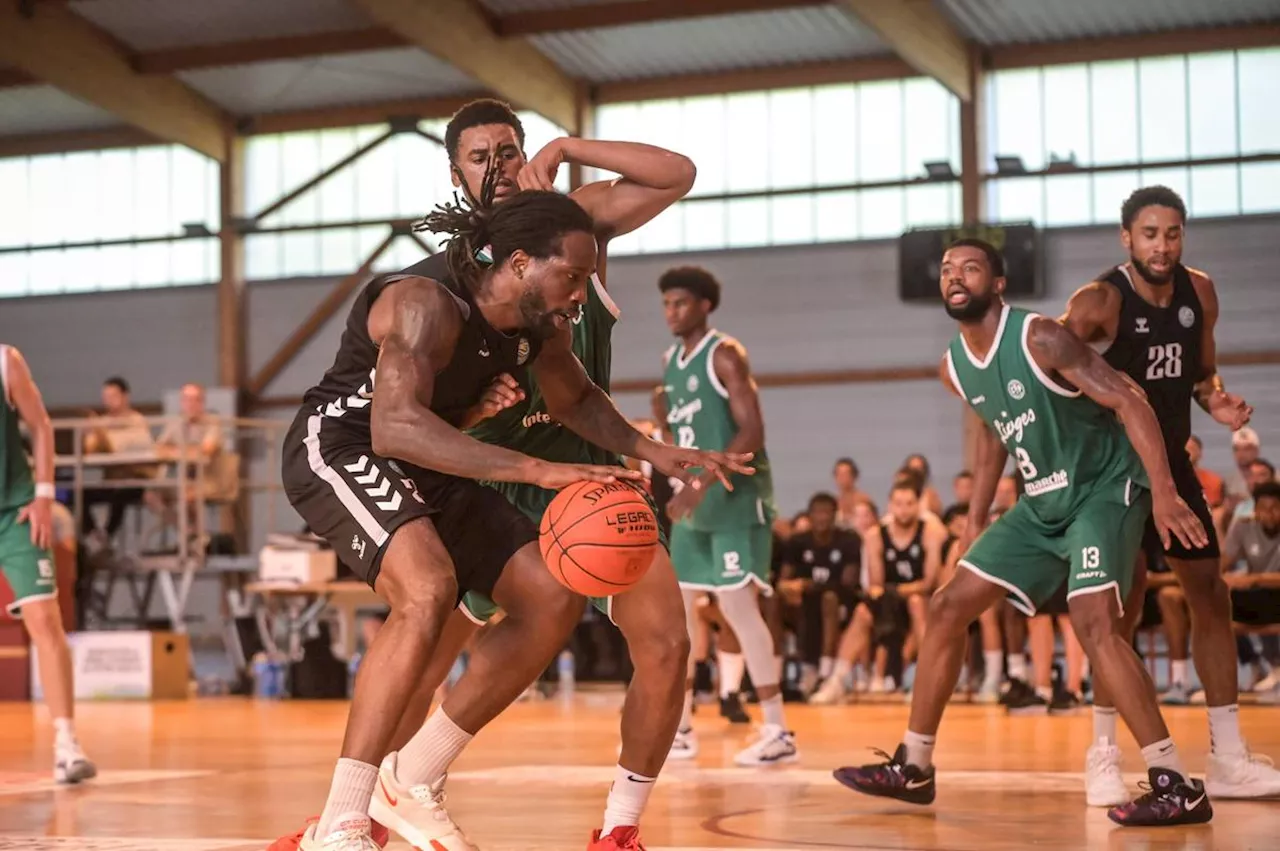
<point>45,490</point>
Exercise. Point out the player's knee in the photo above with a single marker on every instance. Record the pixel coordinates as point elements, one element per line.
<point>1093,621</point>
<point>43,621</point>
<point>946,611</point>
<point>660,650</point>
<point>1171,597</point>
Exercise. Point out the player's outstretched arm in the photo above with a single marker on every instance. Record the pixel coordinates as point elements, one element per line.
<point>1056,349</point>
<point>422,326</point>
<point>26,398</point>
<point>586,410</point>
<point>651,180</point>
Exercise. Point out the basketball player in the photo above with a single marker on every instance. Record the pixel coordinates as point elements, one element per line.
<point>1154,320</point>
<point>376,465</point>
<point>26,536</point>
<point>721,539</point>
<point>1057,406</point>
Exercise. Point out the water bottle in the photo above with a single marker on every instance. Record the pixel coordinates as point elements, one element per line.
<point>261,669</point>
<point>566,671</point>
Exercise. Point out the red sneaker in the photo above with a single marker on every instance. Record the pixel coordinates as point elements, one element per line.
<point>619,839</point>
<point>293,841</point>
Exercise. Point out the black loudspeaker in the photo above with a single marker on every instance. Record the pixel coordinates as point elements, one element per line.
<point>920,259</point>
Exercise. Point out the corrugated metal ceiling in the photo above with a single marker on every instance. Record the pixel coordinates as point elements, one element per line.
<point>1030,21</point>
<point>721,43</point>
<point>354,78</point>
<point>159,24</point>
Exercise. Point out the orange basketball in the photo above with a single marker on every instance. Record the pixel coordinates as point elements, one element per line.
<point>599,540</point>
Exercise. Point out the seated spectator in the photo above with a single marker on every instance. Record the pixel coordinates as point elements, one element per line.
<point>819,577</point>
<point>1253,545</point>
<point>932,501</point>
<point>1261,472</point>
<point>866,517</point>
<point>201,433</point>
<point>122,430</point>
<point>847,494</point>
<point>962,488</point>
<point>1245,447</point>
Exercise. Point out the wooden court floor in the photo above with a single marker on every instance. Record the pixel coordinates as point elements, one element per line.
<point>230,774</point>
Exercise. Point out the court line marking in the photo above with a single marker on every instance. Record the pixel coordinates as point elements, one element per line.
<point>36,782</point>
<point>131,843</point>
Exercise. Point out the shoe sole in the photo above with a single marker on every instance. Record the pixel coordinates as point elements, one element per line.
<point>1181,821</point>
<point>682,755</point>
<point>873,793</point>
<point>782,760</point>
<point>384,815</point>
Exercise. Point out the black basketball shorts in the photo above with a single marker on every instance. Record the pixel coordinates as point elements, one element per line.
<point>356,501</point>
<point>1192,493</point>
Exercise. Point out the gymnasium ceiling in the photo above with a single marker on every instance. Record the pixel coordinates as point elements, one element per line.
<point>86,73</point>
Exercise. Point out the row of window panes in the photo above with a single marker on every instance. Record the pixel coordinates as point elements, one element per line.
<point>335,252</point>
<point>52,271</point>
<point>1083,199</point>
<point>404,177</point>
<point>793,138</point>
<point>830,216</point>
<point>1161,109</point>
<point>100,195</point>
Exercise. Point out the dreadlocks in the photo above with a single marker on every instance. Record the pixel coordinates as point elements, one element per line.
<point>482,234</point>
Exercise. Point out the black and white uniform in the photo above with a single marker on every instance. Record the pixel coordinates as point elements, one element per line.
<point>355,499</point>
<point>1160,349</point>
<point>903,564</point>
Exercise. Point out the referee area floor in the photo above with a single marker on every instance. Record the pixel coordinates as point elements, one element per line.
<point>230,774</point>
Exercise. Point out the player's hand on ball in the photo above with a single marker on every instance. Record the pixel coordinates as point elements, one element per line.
<point>1230,410</point>
<point>557,476</point>
<point>501,394</point>
<point>540,172</point>
<point>1175,519</point>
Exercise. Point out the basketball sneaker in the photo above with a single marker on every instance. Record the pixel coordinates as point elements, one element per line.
<point>1242,775</point>
<point>731,708</point>
<point>893,778</point>
<point>1170,800</point>
<point>417,813</point>
<point>380,835</point>
<point>1177,695</point>
<point>619,839</point>
<point>773,746</point>
<point>685,745</point>
<point>351,834</point>
<point>1103,785</point>
<point>830,693</point>
<point>70,765</point>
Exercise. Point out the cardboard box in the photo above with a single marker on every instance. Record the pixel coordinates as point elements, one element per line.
<point>126,665</point>
<point>279,564</point>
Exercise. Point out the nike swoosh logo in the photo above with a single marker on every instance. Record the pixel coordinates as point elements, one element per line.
<point>1191,805</point>
<point>912,785</point>
<point>391,799</point>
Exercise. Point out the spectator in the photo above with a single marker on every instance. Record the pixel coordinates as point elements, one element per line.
<point>122,430</point>
<point>1253,545</point>
<point>1261,472</point>
<point>866,516</point>
<point>962,488</point>
<point>928,496</point>
<point>1246,447</point>
<point>1211,482</point>
<point>846,475</point>
<point>201,433</point>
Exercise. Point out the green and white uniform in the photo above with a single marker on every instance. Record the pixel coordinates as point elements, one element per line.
<point>727,541</point>
<point>1087,496</point>
<point>528,428</point>
<point>28,568</point>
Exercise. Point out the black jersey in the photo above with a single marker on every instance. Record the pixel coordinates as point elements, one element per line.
<point>825,563</point>
<point>345,394</point>
<point>1159,347</point>
<point>903,564</point>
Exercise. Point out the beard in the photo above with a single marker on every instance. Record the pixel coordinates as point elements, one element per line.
<point>538,322</point>
<point>1149,276</point>
<point>975,308</point>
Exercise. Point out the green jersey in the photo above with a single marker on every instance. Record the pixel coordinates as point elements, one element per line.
<point>1065,444</point>
<point>17,486</point>
<point>527,427</point>
<point>699,417</point>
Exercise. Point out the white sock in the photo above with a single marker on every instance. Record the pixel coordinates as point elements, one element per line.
<point>842,669</point>
<point>919,749</point>
<point>686,715</point>
<point>825,664</point>
<point>1224,730</point>
<point>1017,666</point>
<point>772,709</point>
<point>1104,724</point>
<point>627,798</point>
<point>1163,754</point>
<point>349,796</point>
<point>731,667</point>
<point>64,732</point>
<point>431,751</point>
<point>991,669</point>
<point>1178,672</point>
